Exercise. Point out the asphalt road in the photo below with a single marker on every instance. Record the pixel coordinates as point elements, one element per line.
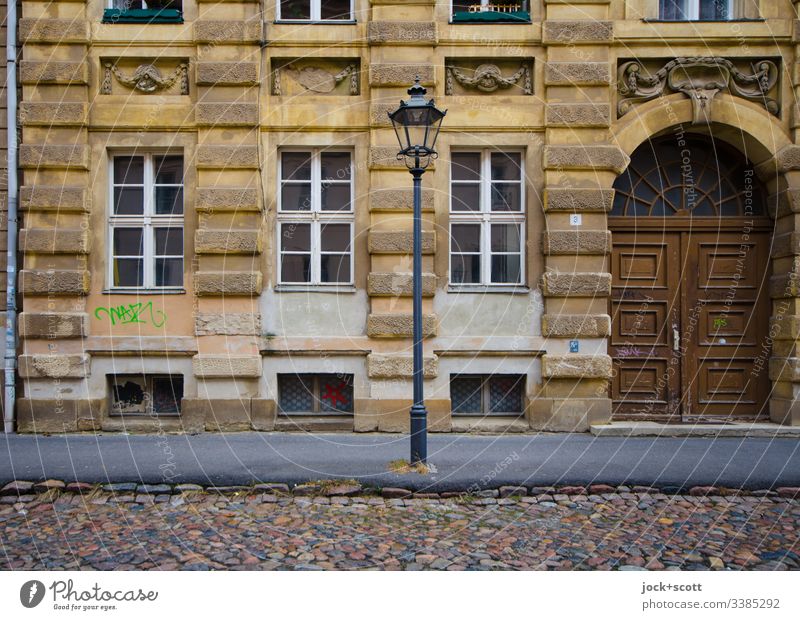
<point>460,461</point>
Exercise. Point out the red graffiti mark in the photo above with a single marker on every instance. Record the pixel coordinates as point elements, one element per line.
<point>333,394</point>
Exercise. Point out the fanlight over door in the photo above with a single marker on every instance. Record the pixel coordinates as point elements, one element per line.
<point>690,272</point>
<point>700,178</point>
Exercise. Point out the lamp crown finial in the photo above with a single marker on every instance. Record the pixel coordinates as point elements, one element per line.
<point>417,88</point>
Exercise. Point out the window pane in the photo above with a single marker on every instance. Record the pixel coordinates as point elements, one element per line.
<point>466,167</point>
<point>128,170</point>
<point>335,268</point>
<point>296,166</point>
<point>674,9</point>
<point>169,272</point>
<point>505,394</point>
<point>466,238</point>
<point>128,242</point>
<point>335,237</point>
<point>335,166</point>
<point>336,197</point>
<point>169,200</point>
<point>462,6</point>
<point>714,9</point>
<point>169,242</point>
<point>506,167</point>
<point>336,393</point>
<point>126,5</point>
<point>335,9</point>
<point>294,393</point>
<point>169,169</point>
<point>128,272</point>
<point>466,197</point>
<point>465,395</point>
<point>506,197</point>
<point>296,197</point>
<point>128,200</point>
<point>505,238</point>
<point>167,394</point>
<point>465,269</point>
<point>505,269</point>
<point>296,237</point>
<point>295,268</point>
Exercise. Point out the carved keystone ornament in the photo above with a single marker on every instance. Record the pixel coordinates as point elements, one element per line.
<point>700,79</point>
<point>146,78</point>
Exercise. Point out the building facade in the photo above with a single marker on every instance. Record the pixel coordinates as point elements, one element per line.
<point>216,230</point>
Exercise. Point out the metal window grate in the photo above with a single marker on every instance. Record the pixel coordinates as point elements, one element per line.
<point>309,394</point>
<point>487,394</point>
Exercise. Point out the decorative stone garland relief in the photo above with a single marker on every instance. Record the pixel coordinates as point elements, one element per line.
<point>700,79</point>
<point>487,78</point>
<point>146,78</point>
<point>321,77</point>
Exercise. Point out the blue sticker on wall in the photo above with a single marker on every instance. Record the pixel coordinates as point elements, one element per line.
<point>574,347</point>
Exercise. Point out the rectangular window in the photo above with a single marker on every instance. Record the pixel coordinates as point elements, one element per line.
<point>146,221</point>
<point>325,393</point>
<point>146,394</point>
<point>315,218</point>
<point>487,218</point>
<point>696,10</point>
<point>487,394</point>
<point>490,11</point>
<point>143,12</point>
<point>315,10</point>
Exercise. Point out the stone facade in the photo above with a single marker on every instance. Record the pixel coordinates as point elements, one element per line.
<point>231,331</point>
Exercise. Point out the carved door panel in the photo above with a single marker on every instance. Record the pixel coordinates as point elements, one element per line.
<point>725,319</point>
<point>645,310</point>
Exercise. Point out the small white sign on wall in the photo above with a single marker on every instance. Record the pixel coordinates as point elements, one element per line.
<point>575,219</point>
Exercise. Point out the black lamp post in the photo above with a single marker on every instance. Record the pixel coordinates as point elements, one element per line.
<point>416,123</point>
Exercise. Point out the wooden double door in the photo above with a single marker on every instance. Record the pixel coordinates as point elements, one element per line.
<point>690,319</point>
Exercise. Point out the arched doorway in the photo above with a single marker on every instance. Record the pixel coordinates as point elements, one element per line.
<point>690,270</point>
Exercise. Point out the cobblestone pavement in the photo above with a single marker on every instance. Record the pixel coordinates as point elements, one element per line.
<point>256,530</point>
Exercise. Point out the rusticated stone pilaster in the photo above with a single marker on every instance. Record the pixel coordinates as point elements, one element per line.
<point>228,283</point>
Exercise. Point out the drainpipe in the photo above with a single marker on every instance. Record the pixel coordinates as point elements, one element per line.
<point>13,198</point>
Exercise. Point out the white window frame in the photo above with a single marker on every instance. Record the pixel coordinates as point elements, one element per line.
<point>148,221</point>
<point>693,10</point>
<point>316,217</point>
<point>485,217</point>
<point>486,2</point>
<point>110,5</point>
<point>316,14</point>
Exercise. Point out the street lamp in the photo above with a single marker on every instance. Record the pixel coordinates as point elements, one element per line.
<point>416,123</point>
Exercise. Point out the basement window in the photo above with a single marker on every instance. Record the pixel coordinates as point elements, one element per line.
<point>143,12</point>
<point>146,394</point>
<point>315,394</point>
<point>483,11</point>
<point>487,394</point>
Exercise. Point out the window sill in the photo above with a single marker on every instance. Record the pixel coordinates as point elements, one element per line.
<point>482,290</point>
<point>703,21</point>
<point>142,16</point>
<point>315,288</point>
<point>323,22</point>
<point>143,291</point>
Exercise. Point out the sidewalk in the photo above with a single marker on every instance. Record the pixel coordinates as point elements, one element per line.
<point>460,461</point>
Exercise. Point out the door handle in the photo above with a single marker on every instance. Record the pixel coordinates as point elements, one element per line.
<point>676,338</point>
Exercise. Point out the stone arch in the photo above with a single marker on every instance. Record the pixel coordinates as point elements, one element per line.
<point>757,134</point>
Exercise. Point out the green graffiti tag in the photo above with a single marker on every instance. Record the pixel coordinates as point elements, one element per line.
<point>720,322</point>
<point>132,313</point>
